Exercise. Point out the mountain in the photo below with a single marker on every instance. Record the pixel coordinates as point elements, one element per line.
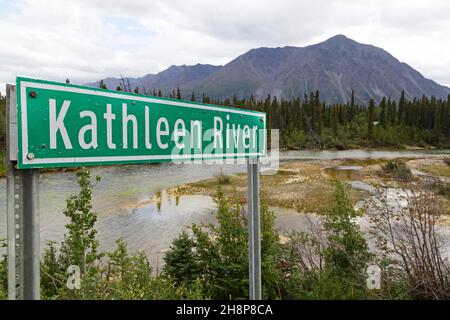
<point>170,79</point>
<point>335,67</point>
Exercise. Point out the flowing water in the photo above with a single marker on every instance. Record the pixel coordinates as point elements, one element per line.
<point>132,203</point>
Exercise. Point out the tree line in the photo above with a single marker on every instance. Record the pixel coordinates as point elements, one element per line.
<point>309,123</point>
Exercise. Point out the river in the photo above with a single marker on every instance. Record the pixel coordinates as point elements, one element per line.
<point>126,206</point>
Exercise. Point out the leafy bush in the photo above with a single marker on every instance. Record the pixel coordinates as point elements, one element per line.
<point>329,260</point>
<point>222,178</point>
<point>399,170</point>
<point>79,246</point>
<point>443,189</point>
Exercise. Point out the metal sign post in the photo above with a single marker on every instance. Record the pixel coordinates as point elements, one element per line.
<point>22,216</point>
<point>14,216</point>
<point>254,230</point>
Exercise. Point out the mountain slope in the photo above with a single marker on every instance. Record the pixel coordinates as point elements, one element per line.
<point>175,76</point>
<point>335,67</point>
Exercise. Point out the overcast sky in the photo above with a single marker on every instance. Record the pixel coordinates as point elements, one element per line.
<point>88,40</point>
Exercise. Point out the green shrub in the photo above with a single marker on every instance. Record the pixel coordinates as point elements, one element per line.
<point>443,189</point>
<point>329,260</point>
<point>222,178</point>
<point>399,170</point>
<point>218,254</point>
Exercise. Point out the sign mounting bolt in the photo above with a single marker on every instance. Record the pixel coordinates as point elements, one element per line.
<point>33,94</point>
<point>30,156</point>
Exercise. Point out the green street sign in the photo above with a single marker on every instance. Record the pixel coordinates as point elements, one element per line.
<point>64,125</point>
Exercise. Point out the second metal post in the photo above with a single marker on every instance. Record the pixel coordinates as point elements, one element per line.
<point>254,233</point>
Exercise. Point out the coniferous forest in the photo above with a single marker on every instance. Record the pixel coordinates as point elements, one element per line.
<point>309,123</point>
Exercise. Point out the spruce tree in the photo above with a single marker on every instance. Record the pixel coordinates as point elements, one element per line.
<point>102,85</point>
<point>383,112</point>
<point>401,108</point>
<point>181,261</point>
<point>80,244</point>
<point>370,118</point>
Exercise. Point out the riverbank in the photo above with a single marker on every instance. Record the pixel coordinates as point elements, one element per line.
<point>307,185</point>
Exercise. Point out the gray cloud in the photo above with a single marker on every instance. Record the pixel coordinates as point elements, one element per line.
<point>89,39</point>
